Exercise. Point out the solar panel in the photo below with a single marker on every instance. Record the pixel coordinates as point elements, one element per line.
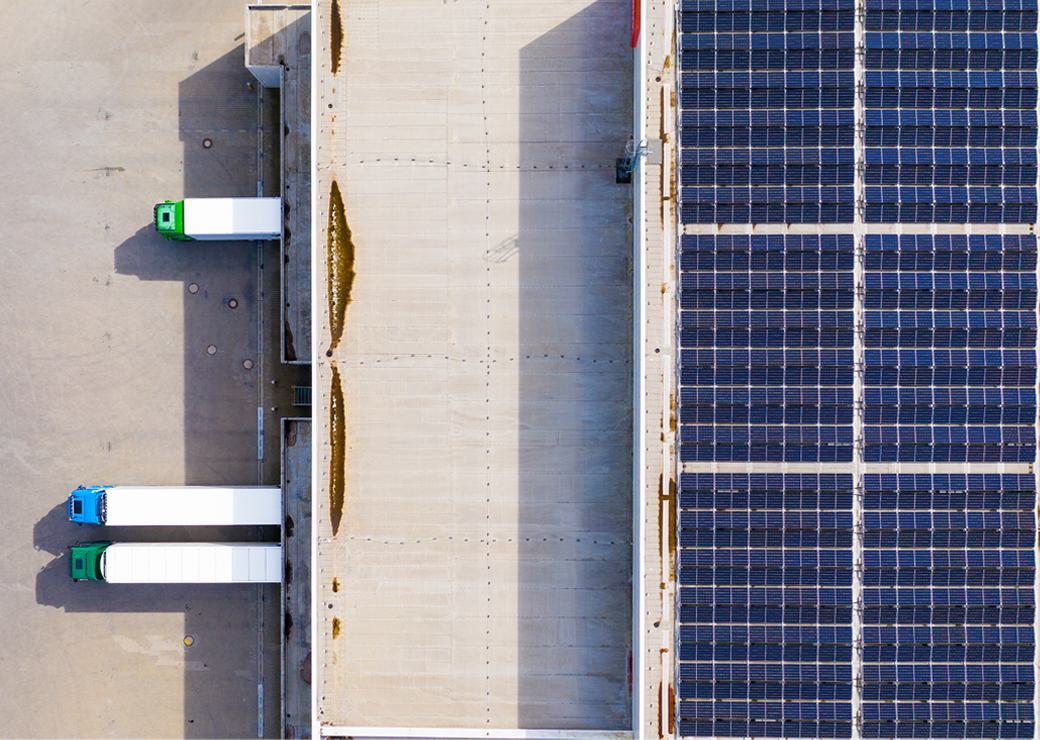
<point>766,99</point>
<point>948,641</point>
<point>765,605</point>
<point>899,352</point>
<point>766,365</point>
<point>949,560</point>
<point>949,358</point>
<point>950,112</point>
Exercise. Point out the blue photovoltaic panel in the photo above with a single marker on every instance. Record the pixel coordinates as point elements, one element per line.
<point>766,358</point>
<point>766,98</point>
<point>765,605</point>
<point>949,348</point>
<point>948,605</point>
<point>950,111</point>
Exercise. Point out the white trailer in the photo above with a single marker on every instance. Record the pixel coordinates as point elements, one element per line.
<point>134,506</point>
<point>180,562</point>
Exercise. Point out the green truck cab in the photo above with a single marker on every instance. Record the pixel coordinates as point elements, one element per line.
<point>85,561</point>
<point>169,220</point>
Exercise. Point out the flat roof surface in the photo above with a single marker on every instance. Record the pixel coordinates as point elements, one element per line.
<point>473,443</point>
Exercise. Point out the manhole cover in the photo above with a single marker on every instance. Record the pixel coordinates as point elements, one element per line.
<point>232,303</point>
<point>247,364</point>
<point>212,349</point>
<point>189,640</point>
<point>207,143</point>
<point>193,288</point>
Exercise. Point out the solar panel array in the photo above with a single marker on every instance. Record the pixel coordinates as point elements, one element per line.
<point>766,337</point>
<point>948,596</point>
<point>950,111</point>
<point>901,366</point>
<point>950,348</point>
<point>765,605</point>
<point>767,111</point>
<point>766,122</point>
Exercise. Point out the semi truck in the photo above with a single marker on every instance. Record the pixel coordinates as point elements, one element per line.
<point>135,506</point>
<point>176,562</point>
<point>219,219</point>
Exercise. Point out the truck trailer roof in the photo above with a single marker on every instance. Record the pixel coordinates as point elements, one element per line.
<point>193,505</point>
<point>232,218</point>
<point>183,562</point>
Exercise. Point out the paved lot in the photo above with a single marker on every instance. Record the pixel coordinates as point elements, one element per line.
<point>474,483</point>
<point>105,371</point>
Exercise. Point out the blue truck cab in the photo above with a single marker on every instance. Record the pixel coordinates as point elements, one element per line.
<point>87,505</point>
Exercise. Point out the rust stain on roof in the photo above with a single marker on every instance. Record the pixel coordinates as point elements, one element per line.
<point>338,443</point>
<point>673,508</point>
<point>336,36</point>
<point>340,274</point>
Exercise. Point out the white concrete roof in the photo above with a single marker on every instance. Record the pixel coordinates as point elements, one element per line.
<point>475,573</point>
